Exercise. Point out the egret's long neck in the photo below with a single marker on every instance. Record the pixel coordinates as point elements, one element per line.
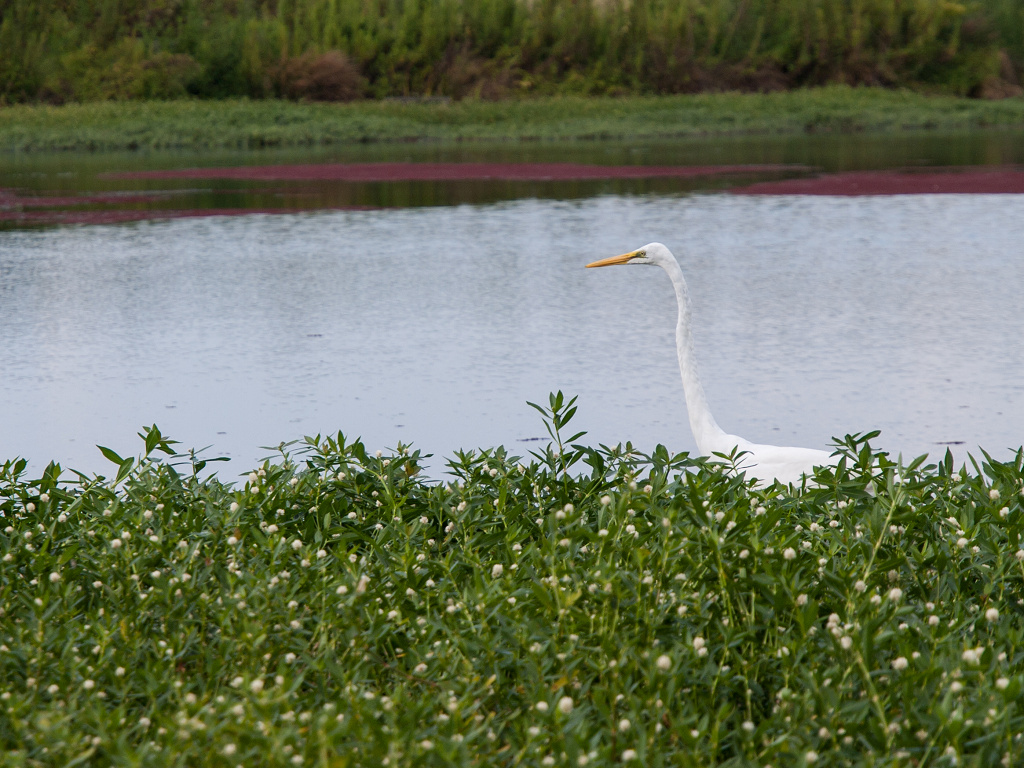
<point>702,423</point>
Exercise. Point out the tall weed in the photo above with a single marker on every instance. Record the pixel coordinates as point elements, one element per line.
<point>58,50</point>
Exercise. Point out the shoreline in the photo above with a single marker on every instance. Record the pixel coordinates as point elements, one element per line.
<point>254,125</point>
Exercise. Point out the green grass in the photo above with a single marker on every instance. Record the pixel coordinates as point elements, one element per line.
<point>583,606</point>
<point>252,124</point>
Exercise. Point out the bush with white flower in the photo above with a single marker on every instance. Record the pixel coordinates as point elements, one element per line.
<point>543,613</point>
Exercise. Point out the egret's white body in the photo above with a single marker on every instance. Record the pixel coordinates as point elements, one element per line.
<point>767,463</point>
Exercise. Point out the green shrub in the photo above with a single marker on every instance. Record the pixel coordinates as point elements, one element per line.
<point>583,606</point>
<point>504,47</point>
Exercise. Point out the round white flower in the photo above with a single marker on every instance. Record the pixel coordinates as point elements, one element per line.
<point>789,553</point>
<point>899,663</point>
<point>297,544</point>
<point>256,685</point>
<point>542,706</point>
<point>497,570</point>
<point>628,755</point>
<point>992,614</point>
<point>624,724</point>
<point>664,663</point>
<point>54,577</point>
<point>565,705</point>
<point>1002,683</point>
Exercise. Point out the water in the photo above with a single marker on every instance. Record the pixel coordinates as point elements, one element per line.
<point>434,325</point>
<point>95,174</point>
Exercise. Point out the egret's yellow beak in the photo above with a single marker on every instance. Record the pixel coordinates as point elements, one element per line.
<point>623,259</point>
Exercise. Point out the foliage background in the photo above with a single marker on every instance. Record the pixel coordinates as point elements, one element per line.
<point>79,50</point>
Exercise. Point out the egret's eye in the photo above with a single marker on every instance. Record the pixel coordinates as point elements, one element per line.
<point>640,254</point>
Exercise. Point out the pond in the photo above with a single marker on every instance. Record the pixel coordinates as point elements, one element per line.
<point>430,312</point>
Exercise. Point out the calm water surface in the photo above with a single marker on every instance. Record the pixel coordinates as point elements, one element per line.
<point>814,317</point>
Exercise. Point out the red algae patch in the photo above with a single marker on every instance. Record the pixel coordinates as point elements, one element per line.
<point>954,181</point>
<point>383,172</point>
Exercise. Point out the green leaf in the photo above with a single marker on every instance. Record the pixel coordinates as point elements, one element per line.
<point>110,455</point>
<point>124,469</point>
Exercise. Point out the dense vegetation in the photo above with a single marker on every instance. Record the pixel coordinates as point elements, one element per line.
<point>585,606</point>
<point>79,50</point>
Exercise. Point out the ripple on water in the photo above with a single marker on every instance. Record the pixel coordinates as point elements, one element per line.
<point>814,316</point>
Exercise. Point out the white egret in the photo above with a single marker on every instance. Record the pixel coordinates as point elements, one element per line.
<point>764,462</point>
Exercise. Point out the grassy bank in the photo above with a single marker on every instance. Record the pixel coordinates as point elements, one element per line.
<point>253,124</point>
<point>586,607</point>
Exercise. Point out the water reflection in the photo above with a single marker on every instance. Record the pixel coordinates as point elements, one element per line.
<point>813,317</point>
<point>95,176</point>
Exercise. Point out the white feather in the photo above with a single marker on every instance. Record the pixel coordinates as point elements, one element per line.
<point>767,463</point>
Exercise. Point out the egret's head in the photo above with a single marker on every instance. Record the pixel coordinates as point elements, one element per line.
<point>652,253</point>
